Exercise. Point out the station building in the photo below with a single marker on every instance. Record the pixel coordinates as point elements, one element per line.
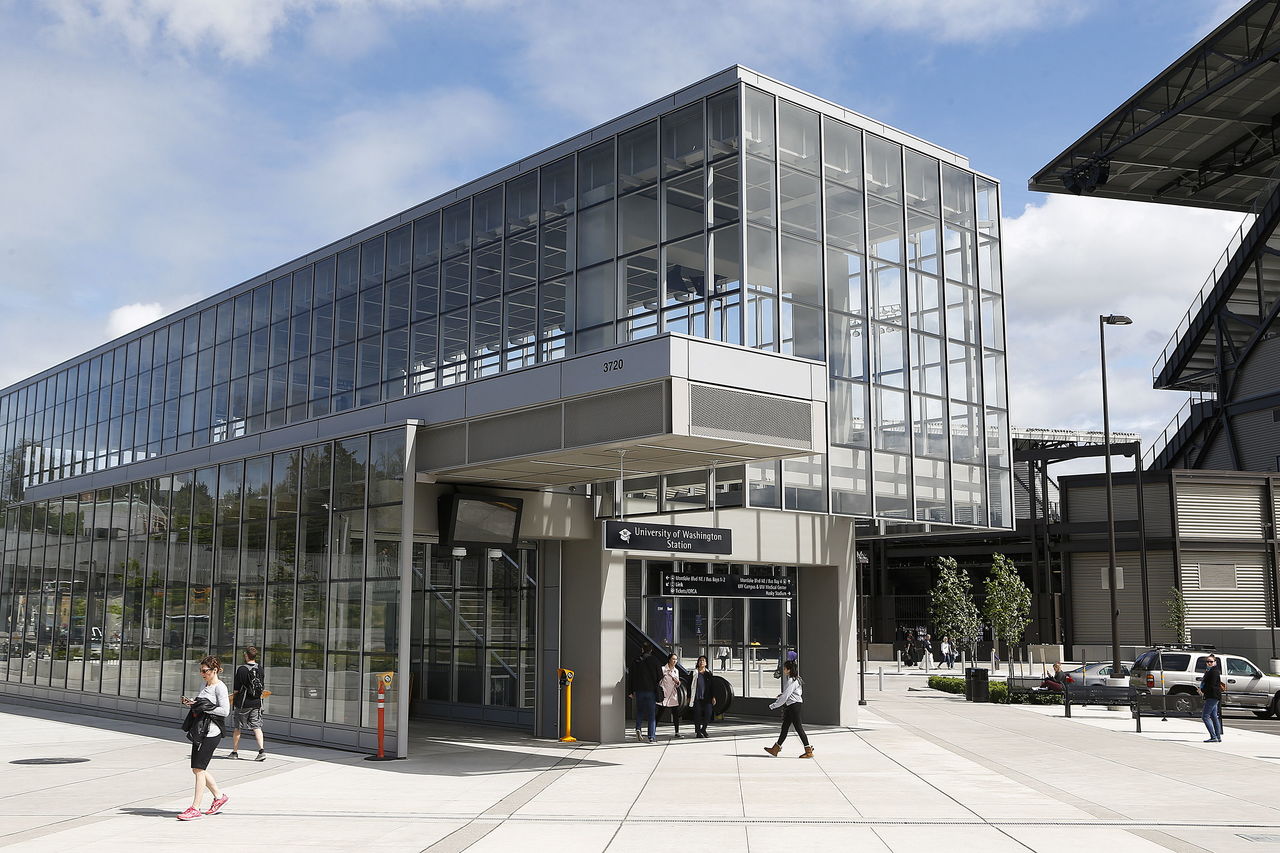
<point>741,310</point>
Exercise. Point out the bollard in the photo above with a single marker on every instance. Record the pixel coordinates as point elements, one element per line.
<point>881,674</point>
<point>384,681</point>
<point>898,655</point>
<point>566,681</point>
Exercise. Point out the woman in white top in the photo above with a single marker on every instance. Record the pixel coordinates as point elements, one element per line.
<point>791,701</point>
<point>669,690</point>
<point>207,724</point>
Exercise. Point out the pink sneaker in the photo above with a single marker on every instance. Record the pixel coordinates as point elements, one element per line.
<point>191,814</point>
<point>217,805</point>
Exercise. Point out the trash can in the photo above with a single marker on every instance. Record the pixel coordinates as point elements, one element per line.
<point>977,688</point>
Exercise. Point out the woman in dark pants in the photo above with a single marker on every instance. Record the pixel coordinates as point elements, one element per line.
<point>791,701</point>
<point>206,722</point>
<point>700,697</point>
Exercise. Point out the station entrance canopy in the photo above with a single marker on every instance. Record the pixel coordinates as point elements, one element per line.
<point>669,404</point>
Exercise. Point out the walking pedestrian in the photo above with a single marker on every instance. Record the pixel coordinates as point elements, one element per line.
<point>723,654</point>
<point>642,676</point>
<point>205,723</point>
<point>701,698</point>
<point>1211,690</point>
<point>246,702</point>
<point>791,701</point>
<point>948,654</point>
<point>669,691</point>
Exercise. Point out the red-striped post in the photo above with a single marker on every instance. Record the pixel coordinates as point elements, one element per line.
<point>382,711</point>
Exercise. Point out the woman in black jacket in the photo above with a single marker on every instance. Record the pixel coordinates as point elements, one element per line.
<point>205,724</point>
<point>701,697</point>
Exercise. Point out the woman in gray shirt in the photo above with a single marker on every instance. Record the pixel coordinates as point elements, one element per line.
<point>208,721</point>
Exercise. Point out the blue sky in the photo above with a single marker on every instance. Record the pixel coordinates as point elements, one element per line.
<point>158,151</point>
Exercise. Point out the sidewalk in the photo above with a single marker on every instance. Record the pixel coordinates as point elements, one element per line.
<point>923,770</point>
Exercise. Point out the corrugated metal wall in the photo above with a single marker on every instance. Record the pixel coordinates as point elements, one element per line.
<point>1258,439</point>
<point>1217,457</point>
<point>1089,503</point>
<point>1243,607</point>
<point>1260,374</point>
<point>1090,601</point>
<point>1220,511</point>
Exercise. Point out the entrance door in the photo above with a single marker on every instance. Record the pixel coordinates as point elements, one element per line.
<point>474,633</point>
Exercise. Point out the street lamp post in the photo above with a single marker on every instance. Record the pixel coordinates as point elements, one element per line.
<point>1105,320</point>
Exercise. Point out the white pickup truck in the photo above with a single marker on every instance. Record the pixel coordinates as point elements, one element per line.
<point>1177,674</point>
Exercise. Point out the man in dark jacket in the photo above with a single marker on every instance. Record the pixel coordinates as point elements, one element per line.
<point>643,675</point>
<point>1211,690</point>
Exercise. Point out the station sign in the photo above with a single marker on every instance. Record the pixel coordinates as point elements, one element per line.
<point>644,536</point>
<point>727,586</point>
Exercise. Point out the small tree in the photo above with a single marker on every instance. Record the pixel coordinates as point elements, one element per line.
<point>951,606</point>
<point>1177,621</point>
<point>1008,604</point>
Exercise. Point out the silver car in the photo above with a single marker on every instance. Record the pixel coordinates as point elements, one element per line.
<point>1095,674</point>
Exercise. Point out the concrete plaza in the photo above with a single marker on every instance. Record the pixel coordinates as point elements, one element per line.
<point>922,770</point>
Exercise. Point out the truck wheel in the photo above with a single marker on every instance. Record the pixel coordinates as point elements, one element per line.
<point>1183,703</point>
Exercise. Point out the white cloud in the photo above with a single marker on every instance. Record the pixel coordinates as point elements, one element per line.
<point>126,318</point>
<point>163,184</point>
<point>587,66</point>
<point>1071,259</point>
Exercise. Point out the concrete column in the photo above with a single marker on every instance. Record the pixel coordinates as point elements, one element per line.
<point>829,630</point>
<point>593,636</point>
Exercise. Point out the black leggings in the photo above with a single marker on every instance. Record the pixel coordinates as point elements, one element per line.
<point>675,715</point>
<point>791,716</point>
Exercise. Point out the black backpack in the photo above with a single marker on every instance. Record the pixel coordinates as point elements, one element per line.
<point>252,691</point>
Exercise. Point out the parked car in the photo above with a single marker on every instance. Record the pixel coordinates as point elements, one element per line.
<point>1095,674</point>
<point>1176,672</point>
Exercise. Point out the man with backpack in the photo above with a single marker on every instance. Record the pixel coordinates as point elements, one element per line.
<point>246,702</point>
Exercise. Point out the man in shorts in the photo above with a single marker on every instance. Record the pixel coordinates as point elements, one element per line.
<point>246,702</point>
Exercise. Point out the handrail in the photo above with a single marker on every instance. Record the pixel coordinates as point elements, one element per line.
<point>1263,207</point>
<point>1181,417</point>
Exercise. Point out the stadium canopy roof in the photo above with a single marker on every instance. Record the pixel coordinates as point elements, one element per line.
<point>1203,133</point>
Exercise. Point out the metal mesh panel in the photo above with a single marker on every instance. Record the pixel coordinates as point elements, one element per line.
<point>723,413</point>
<point>629,413</point>
<point>516,434</point>
<point>442,447</point>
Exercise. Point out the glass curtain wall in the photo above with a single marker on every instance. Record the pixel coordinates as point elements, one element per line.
<point>122,591</point>
<point>741,217</point>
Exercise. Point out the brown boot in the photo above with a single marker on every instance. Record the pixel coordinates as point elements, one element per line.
<point>774,750</point>
<point>808,752</point>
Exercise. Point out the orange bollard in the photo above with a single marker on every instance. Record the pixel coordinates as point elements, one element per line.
<point>384,681</point>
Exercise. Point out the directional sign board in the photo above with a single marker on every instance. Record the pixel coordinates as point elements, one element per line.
<point>727,586</point>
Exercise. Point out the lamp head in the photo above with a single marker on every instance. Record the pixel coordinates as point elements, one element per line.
<point>1116,320</point>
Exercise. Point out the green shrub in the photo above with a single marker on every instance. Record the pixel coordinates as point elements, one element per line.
<point>945,684</point>
<point>999,691</point>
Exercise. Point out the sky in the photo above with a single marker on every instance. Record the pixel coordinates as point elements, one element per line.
<point>155,152</point>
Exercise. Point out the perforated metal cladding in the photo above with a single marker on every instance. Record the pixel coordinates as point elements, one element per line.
<point>442,447</point>
<point>516,434</point>
<point>722,413</point>
<point>629,413</point>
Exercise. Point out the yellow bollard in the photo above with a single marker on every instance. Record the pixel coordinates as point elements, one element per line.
<point>566,681</point>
